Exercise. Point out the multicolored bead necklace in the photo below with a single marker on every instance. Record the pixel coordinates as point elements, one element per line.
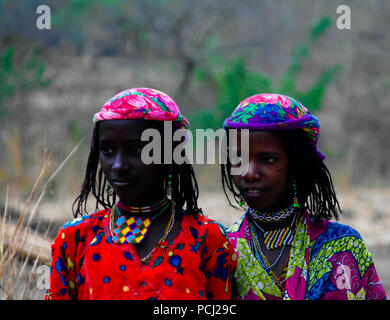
<point>258,252</point>
<point>134,229</point>
<point>260,256</point>
<point>278,237</point>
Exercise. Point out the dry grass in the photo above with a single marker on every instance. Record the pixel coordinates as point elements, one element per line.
<point>21,246</point>
<point>15,244</point>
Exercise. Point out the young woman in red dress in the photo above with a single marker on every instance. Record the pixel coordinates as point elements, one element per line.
<point>154,242</point>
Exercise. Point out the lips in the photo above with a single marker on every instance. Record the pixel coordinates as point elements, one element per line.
<point>120,183</point>
<point>253,192</point>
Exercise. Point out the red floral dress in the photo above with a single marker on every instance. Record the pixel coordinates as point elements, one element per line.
<point>86,264</point>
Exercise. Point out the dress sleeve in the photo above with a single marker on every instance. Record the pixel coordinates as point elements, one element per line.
<point>62,284</point>
<point>220,264</point>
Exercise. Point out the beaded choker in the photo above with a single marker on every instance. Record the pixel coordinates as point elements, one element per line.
<point>134,229</point>
<point>271,216</point>
<point>155,206</point>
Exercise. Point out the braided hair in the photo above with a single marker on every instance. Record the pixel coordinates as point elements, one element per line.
<point>185,190</point>
<point>315,190</point>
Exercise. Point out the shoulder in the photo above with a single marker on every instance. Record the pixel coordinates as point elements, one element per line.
<point>236,225</point>
<point>74,236</point>
<point>238,230</point>
<point>212,237</point>
<point>325,231</point>
<point>339,230</point>
<point>337,237</point>
<point>83,224</point>
<point>206,225</point>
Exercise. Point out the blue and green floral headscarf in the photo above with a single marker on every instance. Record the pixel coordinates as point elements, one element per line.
<point>267,111</point>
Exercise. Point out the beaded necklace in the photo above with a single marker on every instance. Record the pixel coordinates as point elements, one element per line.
<point>134,229</point>
<point>129,209</point>
<point>272,239</point>
<point>279,237</point>
<point>168,229</point>
<point>268,267</point>
<point>272,216</point>
<point>258,252</point>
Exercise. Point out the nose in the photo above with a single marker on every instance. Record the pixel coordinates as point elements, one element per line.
<point>253,172</point>
<point>120,163</point>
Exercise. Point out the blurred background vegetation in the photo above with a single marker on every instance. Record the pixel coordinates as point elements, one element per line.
<point>208,56</point>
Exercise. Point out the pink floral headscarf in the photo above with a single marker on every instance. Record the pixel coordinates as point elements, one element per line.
<point>142,103</point>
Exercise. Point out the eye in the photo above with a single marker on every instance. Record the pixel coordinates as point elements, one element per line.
<point>269,159</point>
<point>106,150</point>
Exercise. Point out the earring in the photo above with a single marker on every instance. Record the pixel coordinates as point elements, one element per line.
<point>241,201</point>
<point>296,203</point>
<point>169,189</point>
<point>109,189</point>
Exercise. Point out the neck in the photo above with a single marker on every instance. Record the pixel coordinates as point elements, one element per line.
<point>274,219</point>
<point>272,211</point>
<point>153,207</point>
<point>143,201</point>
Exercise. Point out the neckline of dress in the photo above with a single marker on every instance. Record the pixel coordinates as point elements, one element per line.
<point>131,248</point>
